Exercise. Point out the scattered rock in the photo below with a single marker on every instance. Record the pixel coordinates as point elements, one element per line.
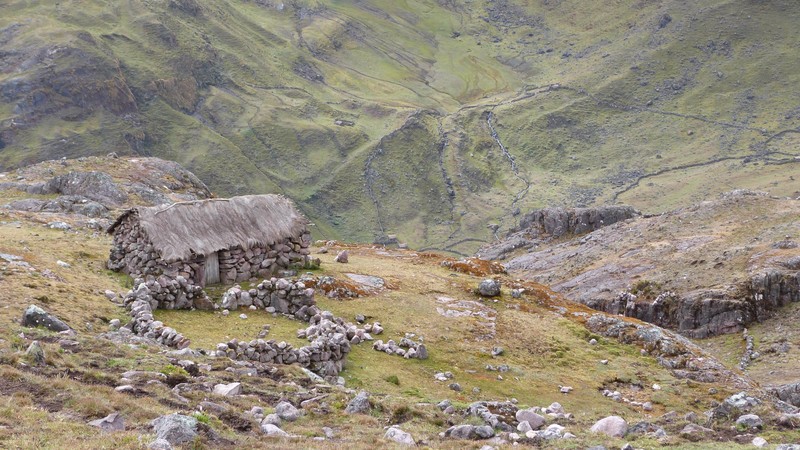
<point>749,421</point>
<point>760,442</point>
<point>272,419</point>
<point>534,420</point>
<point>271,430</point>
<point>694,432</point>
<point>112,422</point>
<point>160,444</point>
<point>35,352</point>
<point>497,351</point>
<point>455,386</point>
<point>461,432</point>
<point>287,411</point>
<point>614,426</point>
<point>175,428</point>
<point>593,341</point>
<point>342,257</point>
<point>359,404</point>
<point>228,390</point>
<point>37,317</point>
<point>489,288</point>
<point>401,437</point>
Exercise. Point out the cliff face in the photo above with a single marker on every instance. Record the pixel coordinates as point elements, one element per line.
<point>708,269</point>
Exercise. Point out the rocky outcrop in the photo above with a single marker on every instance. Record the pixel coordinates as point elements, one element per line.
<point>544,224</point>
<point>673,351</point>
<point>789,393</point>
<point>558,222</point>
<point>710,312</point>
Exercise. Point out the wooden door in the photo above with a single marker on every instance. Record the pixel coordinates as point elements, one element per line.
<point>212,269</point>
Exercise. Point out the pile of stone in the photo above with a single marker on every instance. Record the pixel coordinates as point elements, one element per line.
<point>276,295</point>
<point>144,324</point>
<point>407,348</point>
<point>326,324</point>
<point>496,419</point>
<point>168,293</point>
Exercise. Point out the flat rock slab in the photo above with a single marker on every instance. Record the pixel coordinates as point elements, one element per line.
<point>112,422</point>
<point>228,390</point>
<point>369,281</point>
<point>37,317</point>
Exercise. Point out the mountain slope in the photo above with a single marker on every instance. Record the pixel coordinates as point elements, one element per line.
<point>429,120</point>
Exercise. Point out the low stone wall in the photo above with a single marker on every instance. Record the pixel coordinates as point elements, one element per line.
<point>169,293</point>
<point>144,324</point>
<point>330,337</point>
<point>276,295</point>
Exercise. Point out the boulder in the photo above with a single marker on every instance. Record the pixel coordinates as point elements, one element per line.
<point>534,420</point>
<point>760,442</point>
<point>112,422</point>
<point>489,288</point>
<point>694,432</point>
<point>37,317</point>
<point>461,432</point>
<point>35,352</point>
<point>160,444</point>
<point>614,426</point>
<point>286,411</point>
<point>401,437</point>
<point>272,419</point>
<point>175,428</point>
<point>359,404</point>
<point>273,431</point>
<point>228,390</point>
<point>749,421</point>
<point>342,257</point>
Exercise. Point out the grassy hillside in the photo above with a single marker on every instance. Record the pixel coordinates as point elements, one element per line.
<point>374,115</point>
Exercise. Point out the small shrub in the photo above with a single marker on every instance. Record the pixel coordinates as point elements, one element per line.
<point>202,417</point>
<point>393,379</point>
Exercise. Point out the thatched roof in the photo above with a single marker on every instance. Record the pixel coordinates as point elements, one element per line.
<point>206,226</point>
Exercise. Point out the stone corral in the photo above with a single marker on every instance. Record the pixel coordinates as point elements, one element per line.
<point>330,337</point>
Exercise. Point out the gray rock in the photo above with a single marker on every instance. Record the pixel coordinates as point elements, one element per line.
<point>497,351</point>
<point>159,444</point>
<point>442,405</point>
<point>422,351</point>
<point>286,411</point>
<point>455,386</point>
<point>228,390</point>
<point>760,442</point>
<point>359,404</point>
<point>342,257</point>
<point>37,317</point>
<point>114,324</point>
<point>271,430</point>
<point>461,432</point>
<point>401,437</point>
<point>489,288</point>
<point>35,352</point>
<point>524,426</point>
<point>528,415</point>
<point>788,447</point>
<point>749,421</point>
<point>694,432</point>
<point>272,419</point>
<point>484,432</point>
<point>112,422</point>
<point>614,426</point>
<point>175,428</point>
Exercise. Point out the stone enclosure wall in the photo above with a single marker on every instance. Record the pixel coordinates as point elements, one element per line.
<point>238,265</point>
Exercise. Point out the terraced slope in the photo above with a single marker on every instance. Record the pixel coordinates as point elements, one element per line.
<point>429,120</point>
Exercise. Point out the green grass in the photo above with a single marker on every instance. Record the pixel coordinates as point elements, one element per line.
<point>238,114</point>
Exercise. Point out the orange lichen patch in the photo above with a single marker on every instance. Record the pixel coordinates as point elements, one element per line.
<point>474,266</point>
<point>338,288</point>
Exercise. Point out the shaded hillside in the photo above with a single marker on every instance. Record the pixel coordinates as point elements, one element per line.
<point>429,120</point>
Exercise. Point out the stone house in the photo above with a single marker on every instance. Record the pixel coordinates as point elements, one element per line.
<point>211,241</point>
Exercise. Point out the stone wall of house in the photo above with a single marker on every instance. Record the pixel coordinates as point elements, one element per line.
<point>132,252</point>
<point>141,304</point>
<point>236,264</point>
